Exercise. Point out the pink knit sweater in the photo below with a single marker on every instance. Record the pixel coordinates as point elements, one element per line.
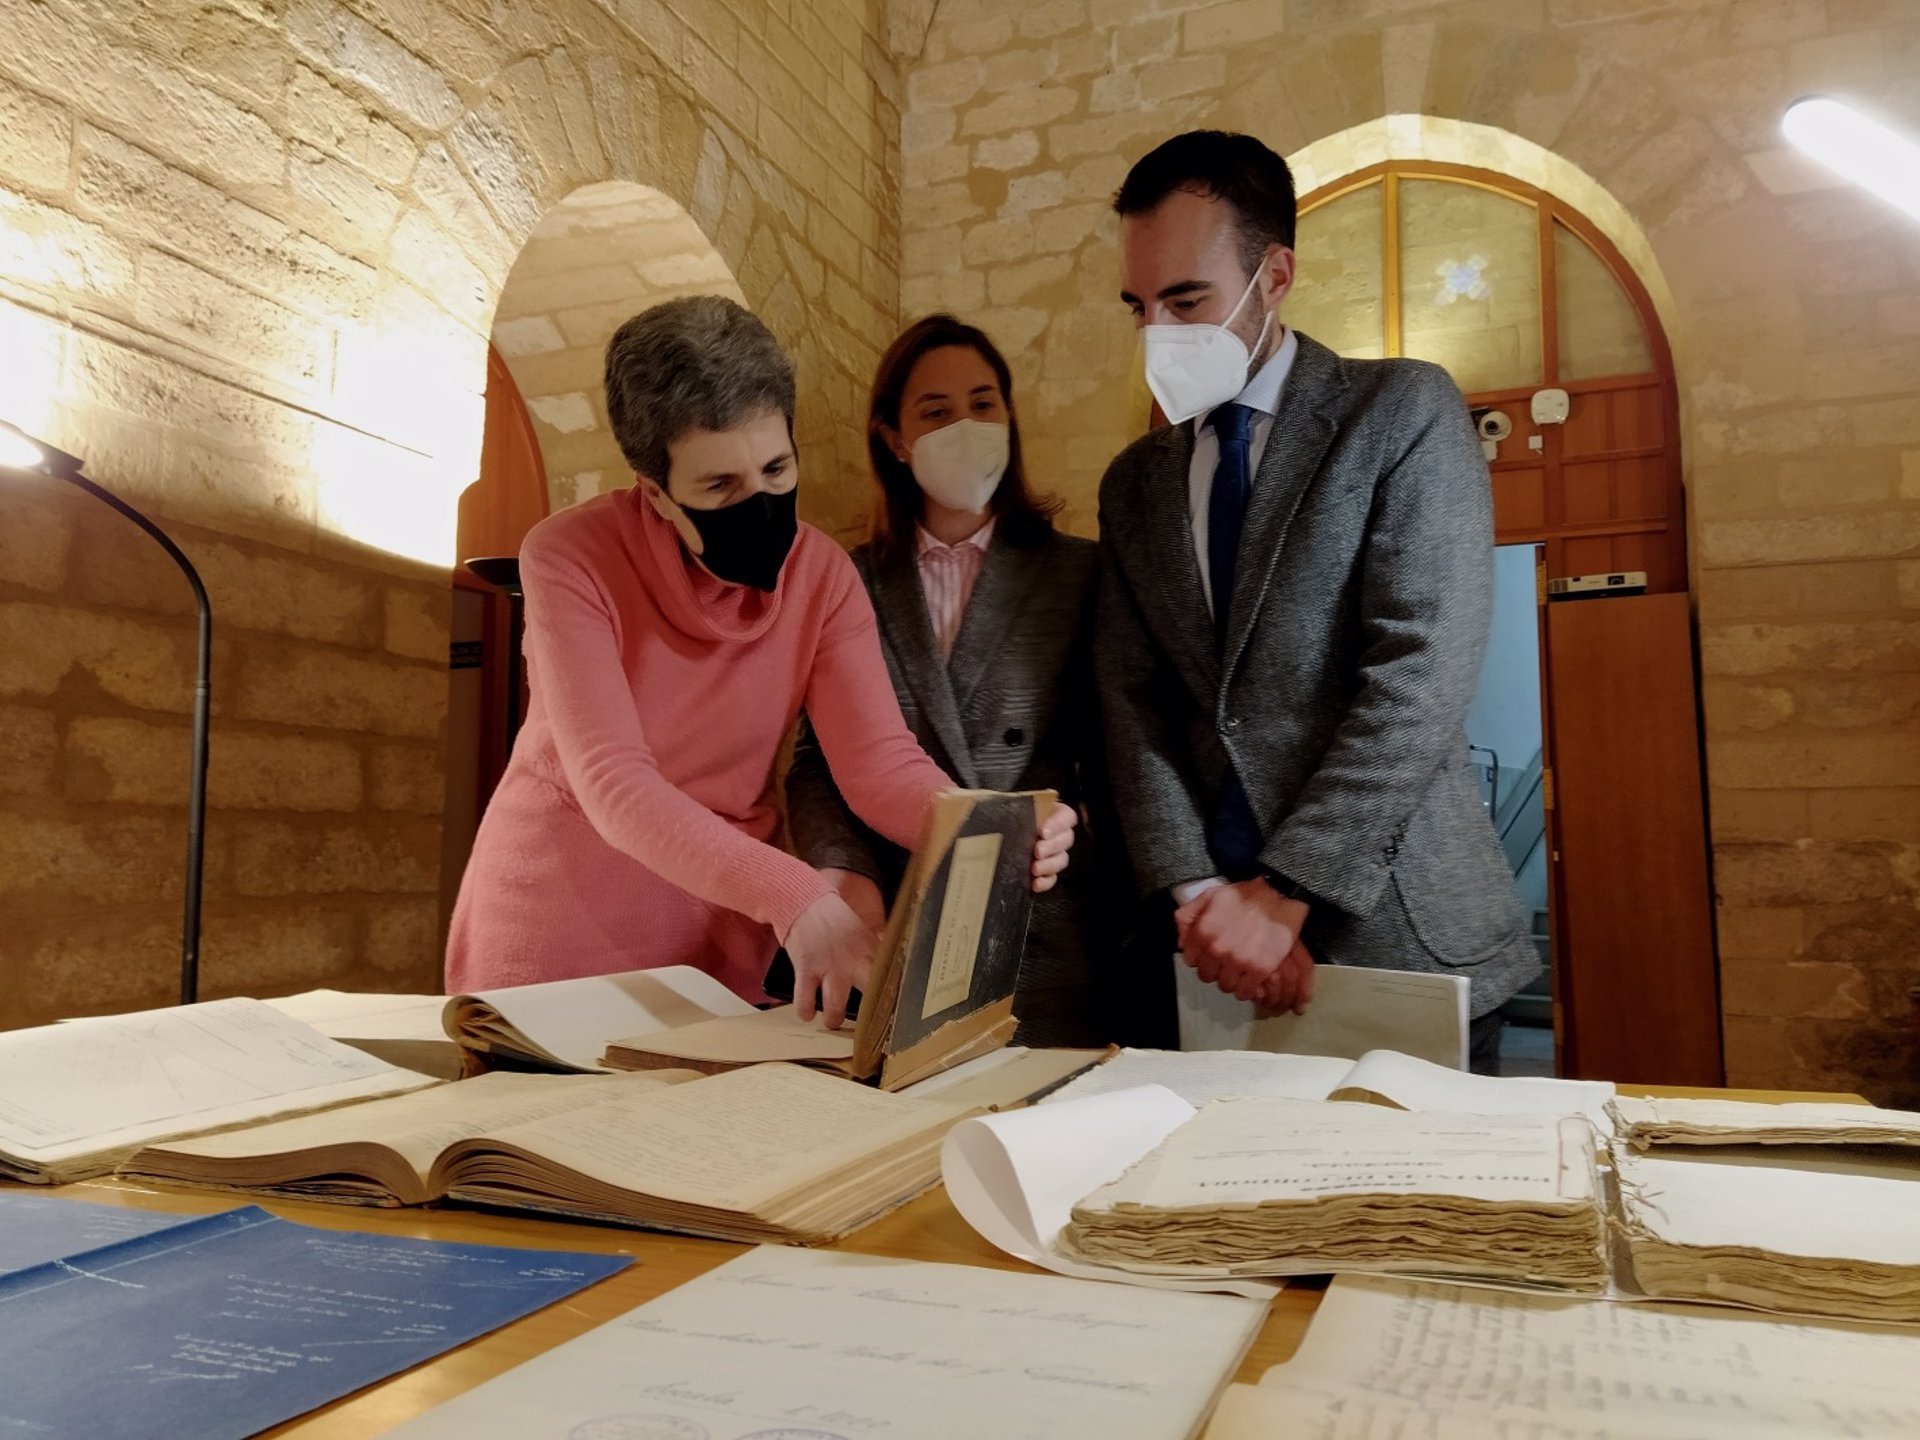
<point>635,824</point>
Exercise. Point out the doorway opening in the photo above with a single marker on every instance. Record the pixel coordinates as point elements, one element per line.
<point>1556,343</point>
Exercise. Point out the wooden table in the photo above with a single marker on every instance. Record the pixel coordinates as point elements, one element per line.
<point>928,1229</point>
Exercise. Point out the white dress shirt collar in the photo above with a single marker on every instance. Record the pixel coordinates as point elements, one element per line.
<point>1262,392</point>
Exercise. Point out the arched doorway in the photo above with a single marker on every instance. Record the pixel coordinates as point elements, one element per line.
<point>603,254</point>
<point>1515,293</point>
<point>1586,724</point>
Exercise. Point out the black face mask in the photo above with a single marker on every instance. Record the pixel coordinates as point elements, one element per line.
<point>747,542</point>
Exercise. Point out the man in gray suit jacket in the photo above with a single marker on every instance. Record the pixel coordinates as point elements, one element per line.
<point>1296,594</point>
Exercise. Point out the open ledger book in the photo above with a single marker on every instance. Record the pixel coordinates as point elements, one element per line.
<point>773,1152</point>
<point>77,1098</point>
<point>941,991</point>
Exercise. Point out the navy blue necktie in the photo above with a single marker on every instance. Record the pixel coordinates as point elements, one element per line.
<point>1227,505</point>
<point>1234,836</point>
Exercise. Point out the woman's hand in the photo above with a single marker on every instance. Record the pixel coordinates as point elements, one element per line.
<point>1050,847</point>
<point>832,950</point>
<point>861,895</point>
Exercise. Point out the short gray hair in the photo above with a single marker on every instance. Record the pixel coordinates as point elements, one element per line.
<point>702,362</point>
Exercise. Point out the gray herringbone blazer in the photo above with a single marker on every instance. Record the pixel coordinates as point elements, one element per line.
<point>1359,621</point>
<point>1011,710</point>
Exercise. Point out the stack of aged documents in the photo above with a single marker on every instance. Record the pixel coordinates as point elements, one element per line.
<point>1267,1186</point>
<point>1804,1241</point>
<point>1647,1123</point>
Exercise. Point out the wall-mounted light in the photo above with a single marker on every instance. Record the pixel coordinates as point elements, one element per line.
<point>20,453</point>
<point>1870,154</point>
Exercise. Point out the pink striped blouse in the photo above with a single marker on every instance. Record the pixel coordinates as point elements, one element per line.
<point>948,574</point>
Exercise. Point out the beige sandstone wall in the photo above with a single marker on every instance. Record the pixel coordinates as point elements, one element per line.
<point>1794,309</point>
<point>249,256</point>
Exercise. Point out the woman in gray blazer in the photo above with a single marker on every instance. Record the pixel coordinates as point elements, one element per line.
<point>984,612</point>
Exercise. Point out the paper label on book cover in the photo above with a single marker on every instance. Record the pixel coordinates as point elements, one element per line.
<point>976,859</point>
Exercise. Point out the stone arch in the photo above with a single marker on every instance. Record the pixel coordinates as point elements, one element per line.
<point>604,253</point>
<point>1332,158</point>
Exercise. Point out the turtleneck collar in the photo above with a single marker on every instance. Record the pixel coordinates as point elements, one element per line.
<point>693,602</point>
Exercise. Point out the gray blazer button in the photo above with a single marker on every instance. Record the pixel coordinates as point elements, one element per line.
<point>1233,723</point>
<point>1015,736</point>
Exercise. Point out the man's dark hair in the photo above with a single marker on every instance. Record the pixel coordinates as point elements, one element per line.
<point>1221,166</point>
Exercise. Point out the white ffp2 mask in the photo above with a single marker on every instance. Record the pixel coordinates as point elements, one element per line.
<point>1192,368</point>
<point>960,465</point>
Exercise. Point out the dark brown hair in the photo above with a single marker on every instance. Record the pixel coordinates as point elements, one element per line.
<point>1022,518</point>
<point>1221,166</point>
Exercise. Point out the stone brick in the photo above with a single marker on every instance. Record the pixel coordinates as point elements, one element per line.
<point>403,939</point>
<point>1034,192</point>
<point>1053,17</point>
<point>103,960</point>
<point>1007,152</point>
<point>979,37</point>
<point>43,646</point>
<point>46,247</point>
<point>39,149</point>
<point>286,949</point>
<point>142,198</point>
<point>922,131</point>
<point>293,685</point>
<point>1022,109</point>
<point>1760,1054</point>
<point>1733,708</point>
<point>327,117</point>
<point>451,196</point>
<point>954,83</point>
<point>1071,226</point>
<point>997,242</point>
<point>36,533</point>
<point>373,856</point>
<point>418,624</point>
<point>30,741</point>
<point>105,859</point>
<point>1814,647</point>
<point>1119,90</point>
<point>210,314</point>
<point>341,42</point>
<point>1772,932</point>
<point>133,762</point>
<point>1779,592</point>
<point>350,210</point>
<point>1859,701</point>
<point>1146,41</point>
<point>1814,762</point>
<point>1887,422</point>
<point>1907,580</point>
<point>1016,284</point>
<point>1771,987</point>
<point>529,335</point>
<point>1807,872</point>
<point>1220,27</point>
<point>1875,814</point>
<point>407,778</point>
<point>1189,75</point>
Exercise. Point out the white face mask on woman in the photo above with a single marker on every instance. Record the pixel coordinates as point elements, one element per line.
<point>1192,368</point>
<point>960,465</point>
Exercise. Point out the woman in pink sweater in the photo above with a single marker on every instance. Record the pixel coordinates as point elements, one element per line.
<point>674,630</point>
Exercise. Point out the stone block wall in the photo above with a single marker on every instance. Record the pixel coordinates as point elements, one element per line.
<point>1792,300</point>
<point>250,252</point>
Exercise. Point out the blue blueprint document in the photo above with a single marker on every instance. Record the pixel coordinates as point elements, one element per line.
<point>234,1322</point>
<point>36,1228</point>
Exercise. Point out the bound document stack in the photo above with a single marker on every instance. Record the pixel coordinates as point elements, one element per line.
<point>1737,1122</point>
<point>1803,1241</point>
<point>1263,1186</point>
<point>773,1152</point>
